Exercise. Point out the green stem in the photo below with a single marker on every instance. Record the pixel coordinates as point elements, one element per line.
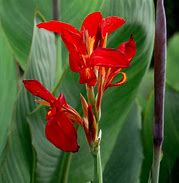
<point>98,172</point>
<point>66,167</point>
<point>156,164</point>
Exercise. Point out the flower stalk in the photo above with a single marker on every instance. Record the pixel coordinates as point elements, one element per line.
<point>159,85</point>
<point>95,150</point>
<point>98,176</point>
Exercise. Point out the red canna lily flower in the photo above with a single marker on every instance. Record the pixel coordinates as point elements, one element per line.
<point>60,118</point>
<point>81,44</point>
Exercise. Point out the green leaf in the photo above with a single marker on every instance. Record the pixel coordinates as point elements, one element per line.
<point>8,85</point>
<point>146,88</point>
<point>172,62</point>
<point>147,123</point>
<point>17,23</point>
<point>171,137</point>
<point>17,164</point>
<point>171,141</point>
<point>121,167</point>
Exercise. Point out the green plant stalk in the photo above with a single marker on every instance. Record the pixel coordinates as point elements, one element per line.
<point>159,87</point>
<point>98,172</point>
<point>156,165</point>
<point>66,166</point>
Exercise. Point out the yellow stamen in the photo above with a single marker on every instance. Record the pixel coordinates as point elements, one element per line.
<point>105,41</point>
<point>89,43</point>
<point>49,112</point>
<point>42,102</point>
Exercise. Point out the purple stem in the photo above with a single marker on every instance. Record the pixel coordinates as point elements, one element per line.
<point>55,5</point>
<point>159,85</point>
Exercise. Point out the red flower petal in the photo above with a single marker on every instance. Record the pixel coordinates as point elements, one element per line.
<point>110,24</point>
<point>37,89</point>
<point>88,76</point>
<point>58,27</point>
<point>62,100</point>
<point>75,61</point>
<point>128,48</point>
<point>61,133</point>
<point>91,23</point>
<point>109,58</point>
<point>120,57</point>
<point>73,42</point>
<point>70,35</point>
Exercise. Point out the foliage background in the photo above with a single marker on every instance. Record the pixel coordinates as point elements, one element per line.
<point>127,111</point>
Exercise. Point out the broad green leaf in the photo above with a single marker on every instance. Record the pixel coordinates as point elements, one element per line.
<point>145,99</point>
<point>125,162</point>
<point>147,123</point>
<point>171,140</point>
<point>171,137</point>
<point>8,87</point>
<point>17,23</point>
<point>146,88</point>
<point>172,62</point>
<point>19,160</point>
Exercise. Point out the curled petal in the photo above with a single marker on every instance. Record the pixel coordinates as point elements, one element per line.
<point>110,24</point>
<point>109,57</point>
<point>58,27</point>
<point>122,81</point>
<point>88,76</point>
<point>128,48</point>
<point>37,89</point>
<point>91,23</point>
<point>61,133</point>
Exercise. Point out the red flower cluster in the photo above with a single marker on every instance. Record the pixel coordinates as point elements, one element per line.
<point>96,65</point>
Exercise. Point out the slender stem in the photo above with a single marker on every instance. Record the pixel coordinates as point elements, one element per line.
<point>55,5</point>
<point>156,165</point>
<point>98,172</point>
<point>66,167</point>
<point>159,85</point>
